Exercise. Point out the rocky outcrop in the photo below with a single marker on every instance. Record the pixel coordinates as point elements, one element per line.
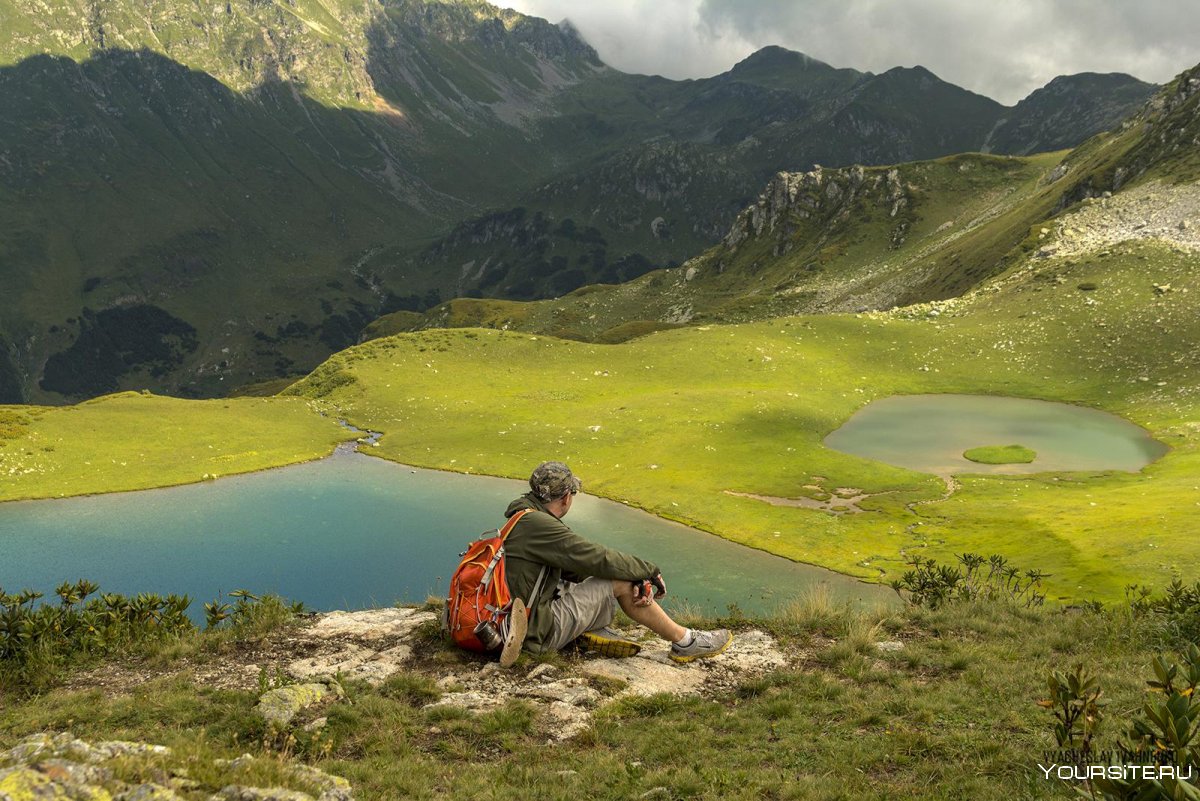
<point>827,195</point>
<point>59,766</point>
<point>370,645</point>
<point>375,644</point>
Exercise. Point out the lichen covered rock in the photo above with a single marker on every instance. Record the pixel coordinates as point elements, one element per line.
<point>279,706</point>
<point>59,767</point>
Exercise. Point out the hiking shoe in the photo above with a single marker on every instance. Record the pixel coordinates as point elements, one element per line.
<point>609,643</point>
<point>518,626</point>
<point>704,644</point>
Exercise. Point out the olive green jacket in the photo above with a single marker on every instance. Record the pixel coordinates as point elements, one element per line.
<point>539,538</point>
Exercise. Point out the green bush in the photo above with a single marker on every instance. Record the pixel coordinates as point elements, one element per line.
<point>1165,733</point>
<point>977,579</point>
<point>1177,610</point>
<point>39,641</point>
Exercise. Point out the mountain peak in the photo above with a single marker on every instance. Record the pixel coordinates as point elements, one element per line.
<point>1093,81</point>
<point>774,57</point>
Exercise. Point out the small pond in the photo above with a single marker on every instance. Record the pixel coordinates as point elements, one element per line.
<point>351,532</point>
<point>930,432</point>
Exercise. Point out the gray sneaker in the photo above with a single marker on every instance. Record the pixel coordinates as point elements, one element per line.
<point>705,643</point>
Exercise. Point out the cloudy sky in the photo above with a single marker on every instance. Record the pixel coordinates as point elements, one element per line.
<point>1002,50</point>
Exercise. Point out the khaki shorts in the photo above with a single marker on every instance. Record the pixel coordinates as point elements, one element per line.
<point>579,607</point>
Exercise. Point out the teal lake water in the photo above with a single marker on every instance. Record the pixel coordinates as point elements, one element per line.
<point>351,532</point>
<point>930,432</point>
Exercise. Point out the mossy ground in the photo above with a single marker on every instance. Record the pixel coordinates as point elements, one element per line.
<point>1001,454</point>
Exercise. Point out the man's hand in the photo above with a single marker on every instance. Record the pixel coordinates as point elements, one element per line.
<point>643,592</point>
<point>659,584</point>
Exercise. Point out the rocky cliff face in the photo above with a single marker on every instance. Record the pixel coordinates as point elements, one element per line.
<point>828,196</point>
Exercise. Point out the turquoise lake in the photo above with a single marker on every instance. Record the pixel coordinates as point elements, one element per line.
<point>350,532</point>
<point>930,432</point>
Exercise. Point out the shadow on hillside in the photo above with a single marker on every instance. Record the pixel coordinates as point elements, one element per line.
<point>133,179</point>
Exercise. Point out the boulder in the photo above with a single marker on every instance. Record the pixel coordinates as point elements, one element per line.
<point>235,792</point>
<point>567,691</point>
<point>279,706</point>
<point>149,792</point>
<point>370,624</point>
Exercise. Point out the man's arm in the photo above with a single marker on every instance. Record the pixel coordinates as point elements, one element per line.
<point>551,542</point>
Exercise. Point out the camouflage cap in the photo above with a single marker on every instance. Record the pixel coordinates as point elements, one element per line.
<point>552,480</point>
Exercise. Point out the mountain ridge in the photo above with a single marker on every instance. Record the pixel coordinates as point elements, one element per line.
<point>865,239</point>
<point>355,138</point>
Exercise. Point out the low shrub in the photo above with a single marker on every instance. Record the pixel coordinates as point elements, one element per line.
<point>38,641</point>
<point>976,578</point>
<point>1156,757</point>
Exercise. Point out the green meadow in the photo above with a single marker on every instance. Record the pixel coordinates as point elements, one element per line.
<point>1001,454</point>
<point>674,421</point>
<point>132,441</point>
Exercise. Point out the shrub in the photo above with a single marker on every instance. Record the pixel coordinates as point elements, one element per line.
<point>37,639</point>
<point>1177,610</point>
<point>1165,733</point>
<point>976,579</point>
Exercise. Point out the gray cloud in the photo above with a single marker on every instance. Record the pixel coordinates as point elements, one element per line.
<point>1003,51</point>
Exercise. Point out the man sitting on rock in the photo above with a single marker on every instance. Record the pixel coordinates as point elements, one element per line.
<point>584,582</point>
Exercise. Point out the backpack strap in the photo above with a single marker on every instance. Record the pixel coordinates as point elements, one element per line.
<point>537,586</point>
<point>512,522</point>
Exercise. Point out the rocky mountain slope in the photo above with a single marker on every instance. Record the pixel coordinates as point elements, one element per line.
<point>1055,116</point>
<point>871,238</point>
<point>197,198</point>
<point>685,188</point>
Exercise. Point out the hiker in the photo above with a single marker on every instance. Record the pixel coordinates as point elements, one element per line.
<point>583,582</point>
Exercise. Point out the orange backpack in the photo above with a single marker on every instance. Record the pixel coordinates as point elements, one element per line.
<point>479,591</point>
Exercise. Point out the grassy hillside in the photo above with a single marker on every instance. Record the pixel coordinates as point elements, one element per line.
<point>828,240</point>
<point>1092,306</point>
<point>672,421</point>
<point>1097,312</point>
<point>132,441</point>
<point>859,239</point>
<point>952,713</point>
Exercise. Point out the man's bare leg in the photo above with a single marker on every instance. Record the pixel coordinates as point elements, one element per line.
<point>650,615</point>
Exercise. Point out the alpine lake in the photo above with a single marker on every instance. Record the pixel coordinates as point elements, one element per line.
<point>930,433</point>
<point>352,531</point>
